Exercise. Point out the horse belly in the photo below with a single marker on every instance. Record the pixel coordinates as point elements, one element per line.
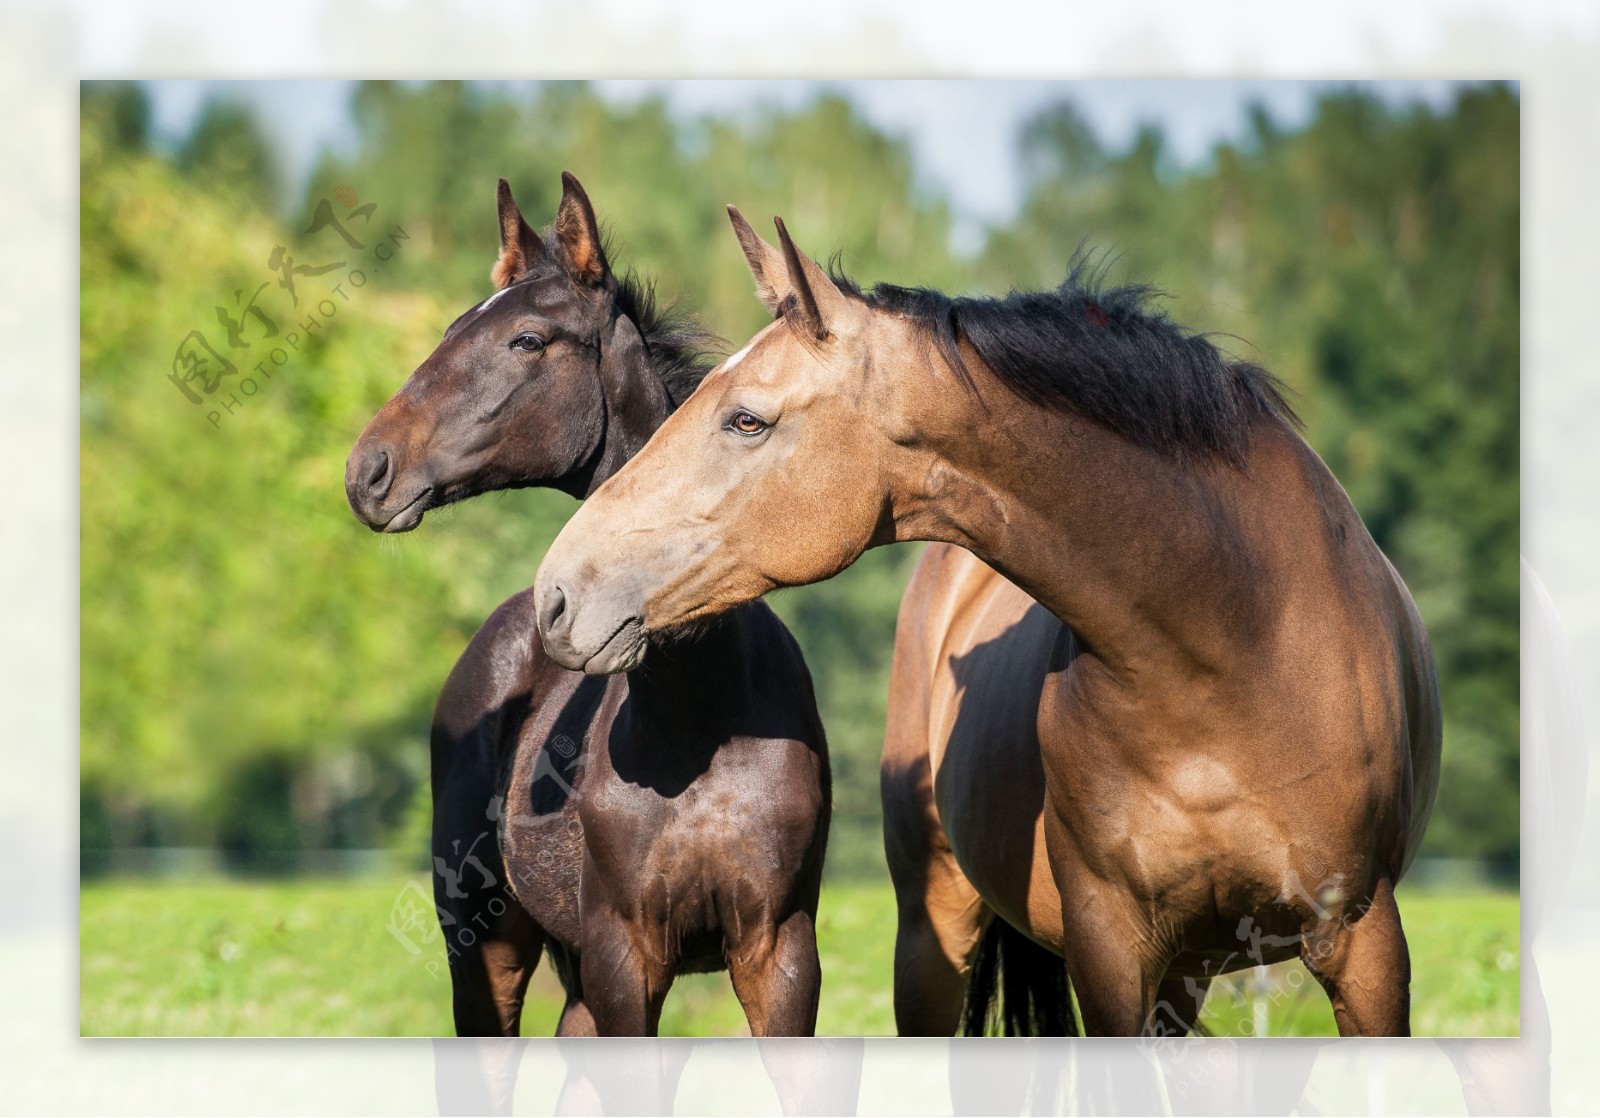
<point>543,859</point>
<point>541,833</point>
<point>997,837</point>
<point>993,660</point>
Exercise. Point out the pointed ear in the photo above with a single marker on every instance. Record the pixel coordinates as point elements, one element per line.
<point>820,303</point>
<point>766,263</point>
<point>578,233</point>
<point>520,247</point>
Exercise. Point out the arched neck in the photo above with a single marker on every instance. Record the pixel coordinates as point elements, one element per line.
<point>1155,560</point>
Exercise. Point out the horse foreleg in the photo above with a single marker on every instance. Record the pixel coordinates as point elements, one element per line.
<point>778,977</point>
<point>622,986</point>
<point>622,992</point>
<point>1365,966</point>
<point>622,1077</point>
<point>1178,1004</point>
<point>933,946</point>
<point>1116,989</point>
<point>576,1020</point>
<point>822,1077</point>
<point>1114,958</point>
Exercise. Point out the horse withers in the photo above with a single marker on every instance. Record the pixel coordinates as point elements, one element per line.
<point>668,821</point>
<point>1225,749</point>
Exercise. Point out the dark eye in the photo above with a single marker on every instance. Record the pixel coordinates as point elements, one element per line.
<point>527,343</point>
<point>743,423</point>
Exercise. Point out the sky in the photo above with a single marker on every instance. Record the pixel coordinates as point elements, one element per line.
<point>962,134</point>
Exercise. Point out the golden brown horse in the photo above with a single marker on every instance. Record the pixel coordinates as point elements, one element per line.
<point>1217,742</point>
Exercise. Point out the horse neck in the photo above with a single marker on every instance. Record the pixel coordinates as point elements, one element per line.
<point>1154,562</point>
<point>686,682</point>
<point>636,403</point>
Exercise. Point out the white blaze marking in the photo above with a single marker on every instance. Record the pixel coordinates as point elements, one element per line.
<point>748,346</point>
<point>738,357</point>
<point>483,306</point>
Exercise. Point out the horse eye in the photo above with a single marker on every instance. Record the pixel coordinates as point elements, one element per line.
<point>527,343</point>
<point>746,424</point>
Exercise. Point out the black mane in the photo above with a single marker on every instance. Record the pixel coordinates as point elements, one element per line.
<point>683,350</point>
<point>1102,353</point>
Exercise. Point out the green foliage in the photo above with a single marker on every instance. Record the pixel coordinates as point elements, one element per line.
<point>115,115</point>
<point>236,620</point>
<point>258,670</point>
<point>313,958</point>
<point>227,150</point>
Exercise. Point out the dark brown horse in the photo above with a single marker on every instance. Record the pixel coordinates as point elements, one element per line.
<point>669,821</point>
<point>1215,744</point>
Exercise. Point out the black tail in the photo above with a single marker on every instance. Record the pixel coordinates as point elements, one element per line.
<point>1016,988</point>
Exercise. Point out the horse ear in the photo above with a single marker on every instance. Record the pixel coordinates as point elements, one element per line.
<point>579,235</point>
<point>520,246</point>
<point>819,300</point>
<point>766,263</point>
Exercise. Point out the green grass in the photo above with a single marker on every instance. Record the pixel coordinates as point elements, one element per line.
<point>316,958</point>
<point>1465,975</point>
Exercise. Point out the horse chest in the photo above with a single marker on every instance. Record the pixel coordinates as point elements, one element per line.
<point>1201,837</point>
<point>692,854</point>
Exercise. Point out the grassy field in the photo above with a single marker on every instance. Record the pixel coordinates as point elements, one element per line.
<point>316,958</point>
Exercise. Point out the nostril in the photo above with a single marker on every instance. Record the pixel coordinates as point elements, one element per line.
<point>552,609</point>
<point>380,472</point>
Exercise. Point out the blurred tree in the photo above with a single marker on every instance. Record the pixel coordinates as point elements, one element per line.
<point>115,115</point>
<point>232,609</point>
<point>228,150</point>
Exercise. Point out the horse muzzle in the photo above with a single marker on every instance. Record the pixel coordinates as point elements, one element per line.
<point>378,499</point>
<point>597,633</point>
